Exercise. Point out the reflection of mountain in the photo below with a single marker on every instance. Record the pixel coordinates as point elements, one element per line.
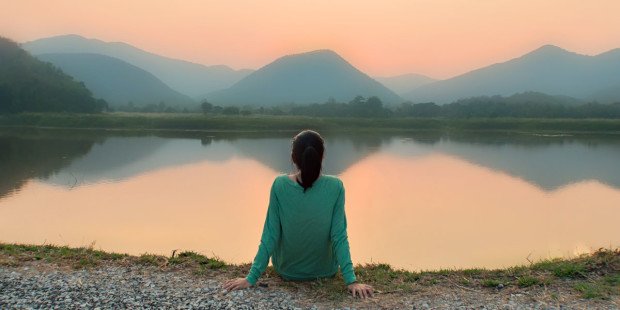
<point>547,162</point>
<point>87,157</point>
<point>123,157</point>
<point>341,151</point>
<point>25,158</point>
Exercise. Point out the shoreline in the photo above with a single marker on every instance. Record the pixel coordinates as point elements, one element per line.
<point>591,280</point>
<point>195,122</point>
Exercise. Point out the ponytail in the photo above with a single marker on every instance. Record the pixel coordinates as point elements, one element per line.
<point>307,154</point>
<point>310,167</point>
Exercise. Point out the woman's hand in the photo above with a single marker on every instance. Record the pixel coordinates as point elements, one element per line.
<point>236,284</point>
<point>361,290</point>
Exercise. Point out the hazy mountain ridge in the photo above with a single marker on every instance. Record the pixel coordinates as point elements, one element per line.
<point>319,75</point>
<point>188,78</point>
<point>30,85</point>
<point>303,78</point>
<point>404,83</point>
<point>549,69</point>
<point>116,81</point>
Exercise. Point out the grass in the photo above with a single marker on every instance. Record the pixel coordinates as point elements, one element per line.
<point>196,121</point>
<point>589,290</point>
<point>491,283</point>
<point>527,281</point>
<point>596,275</point>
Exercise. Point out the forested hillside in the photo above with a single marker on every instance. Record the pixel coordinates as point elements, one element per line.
<point>30,85</point>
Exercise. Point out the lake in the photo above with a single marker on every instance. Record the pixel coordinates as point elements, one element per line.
<point>419,201</point>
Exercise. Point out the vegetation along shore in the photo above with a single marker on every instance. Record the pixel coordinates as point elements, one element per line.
<point>195,121</point>
<point>48,276</point>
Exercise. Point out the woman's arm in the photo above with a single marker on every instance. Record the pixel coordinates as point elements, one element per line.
<point>340,243</point>
<point>268,241</point>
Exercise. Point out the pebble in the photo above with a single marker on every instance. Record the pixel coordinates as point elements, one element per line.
<point>130,287</point>
<point>119,287</point>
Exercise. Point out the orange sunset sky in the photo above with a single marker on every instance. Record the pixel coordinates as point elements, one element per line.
<point>439,38</point>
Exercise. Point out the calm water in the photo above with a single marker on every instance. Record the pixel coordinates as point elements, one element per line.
<point>414,200</point>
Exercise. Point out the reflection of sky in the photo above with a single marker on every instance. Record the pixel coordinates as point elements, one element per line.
<point>121,158</point>
<point>417,204</point>
<point>548,165</point>
<point>424,212</point>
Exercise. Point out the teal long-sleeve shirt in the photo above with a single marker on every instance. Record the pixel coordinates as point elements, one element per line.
<point>305,233</point>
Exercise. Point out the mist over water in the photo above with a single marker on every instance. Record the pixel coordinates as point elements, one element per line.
<point>414,200</point>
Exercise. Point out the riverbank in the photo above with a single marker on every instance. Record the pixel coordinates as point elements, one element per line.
<point>195,121</point>
<point>48,276</point>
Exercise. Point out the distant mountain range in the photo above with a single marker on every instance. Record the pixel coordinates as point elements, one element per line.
<point>549,70</point>
<point>303,78</point>
<point>183,76</point>
<point>116,81</point>
<point>402,84</point>
<point>319,75</point>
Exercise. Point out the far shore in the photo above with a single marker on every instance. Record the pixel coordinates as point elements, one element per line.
<point>591,280</point>
<point>264,123</point>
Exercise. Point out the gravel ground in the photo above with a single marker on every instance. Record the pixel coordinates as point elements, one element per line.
<point>47,286</point>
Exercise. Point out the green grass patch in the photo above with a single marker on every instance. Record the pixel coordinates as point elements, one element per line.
<point>189,257</point>
<point>490,283</point>
<point>562,268</point>
<point>589,290</point>
<point>527,281</point>
<point>612,280</point>
<point>152,260</point>
<point>79,257</point>
<point>473,272</point>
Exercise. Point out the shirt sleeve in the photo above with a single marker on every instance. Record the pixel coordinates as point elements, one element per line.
<point>340,241</point>
<point>269,238</point>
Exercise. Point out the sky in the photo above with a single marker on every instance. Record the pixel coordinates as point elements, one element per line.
<point>438,38</point>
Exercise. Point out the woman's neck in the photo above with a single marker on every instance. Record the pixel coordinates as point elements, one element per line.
<point>295,177</point>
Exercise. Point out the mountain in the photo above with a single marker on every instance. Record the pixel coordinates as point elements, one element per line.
<point>114,80</point>
<point>549,70</point>
<point>185,77</point>
<point>303,78</point>
<point>30,85</point>
<point>608,94</point>
<point>401,84</point>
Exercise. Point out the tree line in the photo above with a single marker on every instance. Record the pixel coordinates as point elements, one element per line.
<point>523,105</point>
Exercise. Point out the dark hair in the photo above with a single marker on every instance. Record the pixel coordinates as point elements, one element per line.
<point>307,154</point>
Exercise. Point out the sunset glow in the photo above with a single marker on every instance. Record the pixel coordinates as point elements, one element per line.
<point>416,225</point>
<point>437,38</point>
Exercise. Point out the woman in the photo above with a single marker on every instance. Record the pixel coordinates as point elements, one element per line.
<point>305,232</point>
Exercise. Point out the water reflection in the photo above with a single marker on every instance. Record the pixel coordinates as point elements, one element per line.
<point>426,212</point>
<point>77,158</point>
<point>24,158</point>
<point>421,200</point>
<point>440,211</point>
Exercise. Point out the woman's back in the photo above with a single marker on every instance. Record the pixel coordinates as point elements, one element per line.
<point>305,231</point>
<point>305,248</point>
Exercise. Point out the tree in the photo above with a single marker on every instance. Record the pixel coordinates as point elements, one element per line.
<point>206,107</point>
<point>217,109</point>
<point>231,111</point>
